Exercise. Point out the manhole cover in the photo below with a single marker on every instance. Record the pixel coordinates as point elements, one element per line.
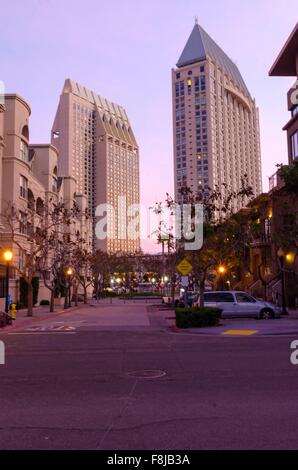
<point>147,374</point>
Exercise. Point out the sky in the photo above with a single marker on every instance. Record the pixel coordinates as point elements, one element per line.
<point>124,50</point>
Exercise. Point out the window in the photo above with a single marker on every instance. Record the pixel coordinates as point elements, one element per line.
<point>23,151</point>
<point>294,145</point>
<point>242,297</point>
<point>23,186</point>
<point>54,184</point>
<point>288,221</point>
<point>218,297</point>
<point>23,223</point>
<point>294,111</point>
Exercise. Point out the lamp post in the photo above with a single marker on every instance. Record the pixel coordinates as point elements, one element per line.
<point>69,274</point>
<point>7,255</point>
<point>221,271</point>
<point>280,255</point>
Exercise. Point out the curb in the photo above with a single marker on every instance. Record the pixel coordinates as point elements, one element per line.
<point>35,319</point>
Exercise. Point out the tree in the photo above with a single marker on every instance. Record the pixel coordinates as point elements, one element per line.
<point>82,262</point>
<point>289,174</point>
<point>221,230</point>
<point>42,237</point>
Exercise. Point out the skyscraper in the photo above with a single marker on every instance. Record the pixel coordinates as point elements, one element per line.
<point>98,149</point>
<point>215,120</point>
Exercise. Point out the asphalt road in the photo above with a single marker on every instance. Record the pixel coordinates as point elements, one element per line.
<point>67,384</point>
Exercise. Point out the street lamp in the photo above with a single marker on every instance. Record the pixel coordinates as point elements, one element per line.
<point>7,256</point>
<point>221,271</point>
<point>67,302</point>
<point>281,255</point>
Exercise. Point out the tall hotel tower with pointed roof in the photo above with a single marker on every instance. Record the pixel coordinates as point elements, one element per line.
<point>215,120</point>
<point>98,150</point>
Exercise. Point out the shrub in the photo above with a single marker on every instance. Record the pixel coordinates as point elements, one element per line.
<point>109,294</point>
<point>44,302</point>
<point>197,317</point>
<point>131,295</point>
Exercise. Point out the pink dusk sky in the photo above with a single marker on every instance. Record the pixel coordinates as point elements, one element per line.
<point>124,50</point>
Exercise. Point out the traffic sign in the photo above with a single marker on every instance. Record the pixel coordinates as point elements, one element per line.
<point>184,267</point>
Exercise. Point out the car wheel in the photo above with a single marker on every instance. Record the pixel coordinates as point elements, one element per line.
<point>266,314</point>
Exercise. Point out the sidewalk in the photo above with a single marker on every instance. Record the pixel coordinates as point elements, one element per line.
<point>39,313</point>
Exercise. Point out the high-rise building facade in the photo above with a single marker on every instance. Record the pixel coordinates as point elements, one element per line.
<point>97,147</point>
<point>215,120</point>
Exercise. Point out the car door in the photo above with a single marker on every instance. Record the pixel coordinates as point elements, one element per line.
<point>226,302</point>
<point>247,306</point>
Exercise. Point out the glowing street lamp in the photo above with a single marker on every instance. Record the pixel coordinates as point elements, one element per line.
<point>69,272</point>
<point>7,256</point>
<point>221,271</point>
<point>290,257</point>
<point>67,301</point>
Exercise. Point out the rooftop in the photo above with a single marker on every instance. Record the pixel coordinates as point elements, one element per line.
<point>200,46</point>
<point>70,86</point>
<point>285,64</point>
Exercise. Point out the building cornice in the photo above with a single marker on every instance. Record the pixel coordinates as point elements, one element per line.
<point>18,98</point>
<point>50,146</point>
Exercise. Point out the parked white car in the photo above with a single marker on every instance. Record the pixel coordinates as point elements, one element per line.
<point>240,304</point>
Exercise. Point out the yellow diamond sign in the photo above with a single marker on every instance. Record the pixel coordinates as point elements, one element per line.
<point>184,267</point>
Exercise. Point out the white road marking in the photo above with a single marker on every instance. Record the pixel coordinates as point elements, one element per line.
<point>43,333</point>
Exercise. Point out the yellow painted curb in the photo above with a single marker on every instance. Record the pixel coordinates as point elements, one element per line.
<point>239,332</point>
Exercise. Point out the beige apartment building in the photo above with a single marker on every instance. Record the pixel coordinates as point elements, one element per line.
<point>28,178</point>
<point>215,120</point>
<point>97,147</point>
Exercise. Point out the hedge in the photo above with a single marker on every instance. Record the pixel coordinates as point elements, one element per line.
<point>197,317</point>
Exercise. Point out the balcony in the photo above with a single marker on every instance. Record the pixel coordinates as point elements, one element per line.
<point>261,241</point>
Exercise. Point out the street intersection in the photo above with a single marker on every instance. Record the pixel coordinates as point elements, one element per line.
<point>119,376</point>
